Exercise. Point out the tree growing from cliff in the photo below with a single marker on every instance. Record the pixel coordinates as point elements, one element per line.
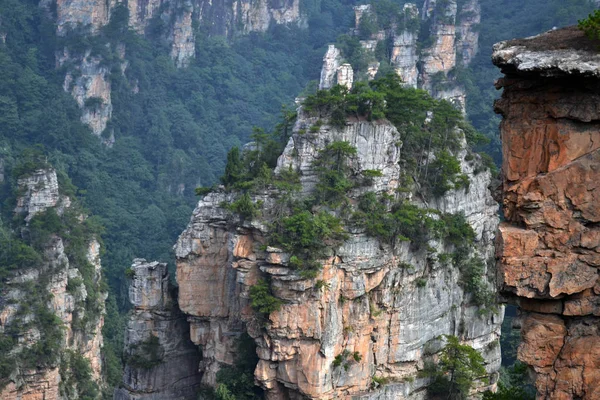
<point>458,367</point>
<point>591,25</point>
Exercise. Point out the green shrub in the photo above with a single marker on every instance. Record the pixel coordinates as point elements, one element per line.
<point>236,382</point>
<point>591,25</point>
<point>261,298</point>
<point>203,191</point>
<point>146,354</point>
<point>244,206</point>
<point>458,367</point>
<point>76,377</point>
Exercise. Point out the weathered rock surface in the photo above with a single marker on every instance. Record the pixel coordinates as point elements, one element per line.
<point>549,246</point>
<point>469,18</point>
<point>39,192</point>
<point>454,37</point>
<point>62,280</point>
<point>331,63</point>
<point>170,369</point>
<point>91,89</point>
<point>404,53</point>
<point>369,304</point>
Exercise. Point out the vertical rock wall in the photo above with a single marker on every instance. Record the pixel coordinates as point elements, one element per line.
<point>161,361</point>
<point>62,280</point>
<point>386,317</point>
<point>549,246</point>
<point>453,39</point>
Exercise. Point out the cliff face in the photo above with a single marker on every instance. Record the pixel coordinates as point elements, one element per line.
<point>44,305</point>
<point>453,39</point>
<point>161,361</point>
<point>88,75</point>
<point>378,309</point>
<point>548,247</point>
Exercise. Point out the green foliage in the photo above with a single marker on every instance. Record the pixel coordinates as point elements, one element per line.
<point>446,174</point>
<point>31,159</point>
<point>346,359</point>
<point>203,191</point>
<point>337,103</point>
<point>76,377</point>
<point>15,254</point>
<point>426,127</point>
<point>245,207</point>
<point>236,382</point>
<point>367,26</point>
<point>390,221</point>
<point>591,25</point>
<point>146,354</point>
<point>261,298</point>
<point>458,367</point>
<point>473,278</point>
<point>234,168</point>
<point>306,236</point>
<point>513,385</point>
<point>457,230</point>
<point>333,170</point>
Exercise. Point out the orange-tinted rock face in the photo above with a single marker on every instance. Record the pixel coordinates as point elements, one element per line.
<point>549,246</point>
<point>367,313</point>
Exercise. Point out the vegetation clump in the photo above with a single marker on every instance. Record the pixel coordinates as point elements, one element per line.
<point>146,354</point>
<point>261,298</point>
<point>458,368</point>
<point>430,130</point>
<point>591,25</point>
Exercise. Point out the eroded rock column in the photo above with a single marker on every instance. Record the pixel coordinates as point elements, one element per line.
<point>549,245</point>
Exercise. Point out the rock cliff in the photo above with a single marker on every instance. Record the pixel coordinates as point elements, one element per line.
<point>548,248</point>
<point>88,74</point>
<point>452,40</point>
<point>369,320</point>
<point>161,361</point>
<point>51,314</point>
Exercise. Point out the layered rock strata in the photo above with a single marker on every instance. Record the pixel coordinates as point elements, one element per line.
<point>379,308</point>
<point>161,361</point>
<point>60,280</point>
<point>549,246</point>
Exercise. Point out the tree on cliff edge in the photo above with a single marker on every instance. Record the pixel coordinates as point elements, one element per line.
<point>458,367</point>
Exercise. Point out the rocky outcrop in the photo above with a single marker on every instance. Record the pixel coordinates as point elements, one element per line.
<point>548,248</point>
<point>161,361</point>
<point>378,309</point>
<point>453,39</point>
<point>440,57</point>
<point>48,305</point>
<point>345,75</point>
<point>467,42</point>
<point>331,62</point>
<point>89,84</point>
<point>404,52</point>
<point>140,13</point>
<point>183,37</point>
<point>91,15</point>
<point>88,74</point>
<point>39,192</point>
